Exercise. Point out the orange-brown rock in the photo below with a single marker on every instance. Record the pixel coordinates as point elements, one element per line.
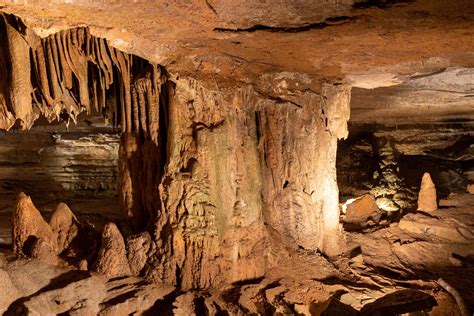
<point>361,213</point>
<point>64,225</point>
<point>470,188</point>
<point>28,226</point>
<point>427,195</point>
<point>138,248</point>
<point>41,250</point>
<point>112,258</point>
<point>361,209</point>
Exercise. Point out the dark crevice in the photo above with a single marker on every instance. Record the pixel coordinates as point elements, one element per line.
<point>381,4</point>
<point>280,29</point>
<point>211,7</point>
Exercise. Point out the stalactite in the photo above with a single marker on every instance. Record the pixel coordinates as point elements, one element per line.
<point>71,72</point>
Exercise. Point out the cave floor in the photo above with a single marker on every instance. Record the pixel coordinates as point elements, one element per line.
<point>391,269</point>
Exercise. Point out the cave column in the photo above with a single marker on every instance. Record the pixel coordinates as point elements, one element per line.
<point>299,166</point>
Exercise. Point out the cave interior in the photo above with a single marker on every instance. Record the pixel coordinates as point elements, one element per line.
<point>235,158</point>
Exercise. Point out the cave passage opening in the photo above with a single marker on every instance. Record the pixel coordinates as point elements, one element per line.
<point>397,133</point>
<point>52,163</point>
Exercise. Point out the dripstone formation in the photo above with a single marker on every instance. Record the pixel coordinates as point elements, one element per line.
<point>222,179</point>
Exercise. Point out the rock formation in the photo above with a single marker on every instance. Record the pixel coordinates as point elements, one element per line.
<point>64,225</point>
<point>427,195</point>
<point>229,130</point>
<point>112,258</point>
<point>359,212</point>
<point>29,226</point>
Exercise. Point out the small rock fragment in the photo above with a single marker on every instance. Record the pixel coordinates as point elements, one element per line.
<point>83,265</point>
<point>427,195</point>
<point>112,258</point>
<point>28,226</point>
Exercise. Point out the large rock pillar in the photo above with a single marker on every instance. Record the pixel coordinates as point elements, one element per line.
<point>242,171</point>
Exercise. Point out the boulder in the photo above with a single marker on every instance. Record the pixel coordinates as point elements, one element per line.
<point>427,195</point>
<point>29,226</point>
<point>112,258</point>
<point>428,226</point>
<point>361,213</point>
<point>81,295</point>
<point>132,296</point>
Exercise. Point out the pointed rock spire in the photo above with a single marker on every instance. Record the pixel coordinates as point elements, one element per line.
<point>427,195</point>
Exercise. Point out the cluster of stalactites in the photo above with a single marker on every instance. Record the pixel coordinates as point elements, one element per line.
<point>70,72</point>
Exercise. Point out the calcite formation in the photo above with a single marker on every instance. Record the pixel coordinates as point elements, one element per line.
<point>427,196</point>
<point>29,226</point>
<point>210,172</point>
<point>227,155</point>
<point>112,257</point>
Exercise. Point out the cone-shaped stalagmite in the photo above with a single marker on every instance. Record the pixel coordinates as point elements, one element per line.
<point>112,259</point>
<point>29,226</point>
<point>427,194</point>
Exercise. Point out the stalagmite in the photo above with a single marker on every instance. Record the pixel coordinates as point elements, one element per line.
<point>427,195</point>
<point>112,258</point>
<point>29,226</point>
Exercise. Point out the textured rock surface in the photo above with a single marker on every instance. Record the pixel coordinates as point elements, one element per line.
<point>29,226</point>
<point>127,296</point>
<point>138,248</point>
<point>242,14</point>
<point>427,196</point>
<point>77,297</point>
<point>9,291</point>
<point>112,257</point>
<point>64,225</point>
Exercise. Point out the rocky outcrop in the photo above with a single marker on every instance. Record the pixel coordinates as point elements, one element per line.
<point>112,257</point>
<point>427,195</point>
<point>29,226</point>
<point>130,295</point>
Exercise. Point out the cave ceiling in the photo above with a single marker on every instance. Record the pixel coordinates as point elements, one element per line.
<point>395,52</point>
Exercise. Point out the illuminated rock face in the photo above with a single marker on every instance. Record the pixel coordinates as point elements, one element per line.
<point>221,178</point>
